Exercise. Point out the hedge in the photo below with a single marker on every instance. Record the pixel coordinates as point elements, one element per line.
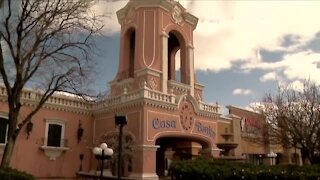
<point>202,169</point>
<point>13,174</point>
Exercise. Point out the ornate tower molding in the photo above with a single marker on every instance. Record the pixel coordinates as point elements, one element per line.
<point>161,100</point>
<point>152,32</point>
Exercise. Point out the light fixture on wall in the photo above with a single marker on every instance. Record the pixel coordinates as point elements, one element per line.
<point>80,132</point>
<point>81,156</point>
<point>29,128</point>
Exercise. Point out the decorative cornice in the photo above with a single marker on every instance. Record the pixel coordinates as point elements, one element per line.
<point>243,109</point>
<point>138,98</point>
<point>146,147</point>
<point>138,102</point>
<point>166,5</point>
<point>136,4</point>
<point>122,82</point>
<point>148,71</point>
<point>198,85</point>
<point>191,19</point>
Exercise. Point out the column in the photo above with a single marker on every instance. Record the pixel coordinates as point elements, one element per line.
<point>164,59</point>
<point>191,68</point>
<point>144,162</point>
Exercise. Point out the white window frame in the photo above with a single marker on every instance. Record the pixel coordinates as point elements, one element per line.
<point>7,128</point>
<point>51,151</point>
<point>4,115</point>
<point>55,122</point>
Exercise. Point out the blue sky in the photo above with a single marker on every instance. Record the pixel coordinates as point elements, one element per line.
<point>243,49</point>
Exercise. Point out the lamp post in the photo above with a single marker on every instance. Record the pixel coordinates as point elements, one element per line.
<point>272,155</point>
<point>102,153</point>
<point>121,121</point>
<point>260,159</point>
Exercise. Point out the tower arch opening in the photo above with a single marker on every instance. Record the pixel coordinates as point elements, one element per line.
<point>129,52</point>
<point>178,66</point>
<point>177,52</point>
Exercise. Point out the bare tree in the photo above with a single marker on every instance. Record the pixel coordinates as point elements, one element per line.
<point>293,119</point>
<point>47,45</point>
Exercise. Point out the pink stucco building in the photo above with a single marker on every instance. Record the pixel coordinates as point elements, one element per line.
<point>168,118</point>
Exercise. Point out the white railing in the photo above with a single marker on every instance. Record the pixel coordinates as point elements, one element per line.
<point>29,95</point>
<point>159,96</point>
<point>139,94</point>
<point>209,107</point>
<point>68,101</point>
<point>178,88</point>
<point>77,102</point>
<point>113,101</point>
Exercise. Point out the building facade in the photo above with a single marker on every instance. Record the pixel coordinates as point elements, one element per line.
<point>168,118</point>
<point>251,136</point>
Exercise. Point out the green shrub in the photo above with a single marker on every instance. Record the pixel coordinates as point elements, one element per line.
<point>13,174</point>
<point>224,170</point>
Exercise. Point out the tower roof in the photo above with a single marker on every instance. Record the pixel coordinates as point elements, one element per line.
<point>179,13</point>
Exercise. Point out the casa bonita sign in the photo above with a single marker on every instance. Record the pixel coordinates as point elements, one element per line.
<point>160,124</point>
<point>205,129</point>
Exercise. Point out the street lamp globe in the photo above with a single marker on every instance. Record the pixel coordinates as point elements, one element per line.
<point>102,153</point>
<point>103,146</point>
<point>272,155</point>
<point>97,151</point>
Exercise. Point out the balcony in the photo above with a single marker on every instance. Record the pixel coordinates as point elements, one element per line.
<point>178,88</point>
<point>54,149</point>
<point>227,145</point>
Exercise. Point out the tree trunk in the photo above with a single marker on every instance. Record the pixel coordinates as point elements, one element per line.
<point>7,154</point>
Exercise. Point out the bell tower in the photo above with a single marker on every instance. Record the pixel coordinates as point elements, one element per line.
<point>153,34</point>
<point>156,88</point>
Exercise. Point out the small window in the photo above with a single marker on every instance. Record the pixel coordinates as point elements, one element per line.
<point>55,134</point>
<point>3,130</point>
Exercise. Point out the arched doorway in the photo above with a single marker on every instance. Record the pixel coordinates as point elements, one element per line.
<point>176,149</point>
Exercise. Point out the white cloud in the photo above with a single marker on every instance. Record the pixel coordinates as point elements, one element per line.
<point>294,66</point>
<point>297,85</point>
<point>231,31</point>
<point>240,91</point>
<point>108,8</point>
<point>246,26</point>
<point>269,77</point>
<point>302,65</point>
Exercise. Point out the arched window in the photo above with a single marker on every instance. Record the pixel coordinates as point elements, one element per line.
<point>129,52</point>
<point>177,61</point>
